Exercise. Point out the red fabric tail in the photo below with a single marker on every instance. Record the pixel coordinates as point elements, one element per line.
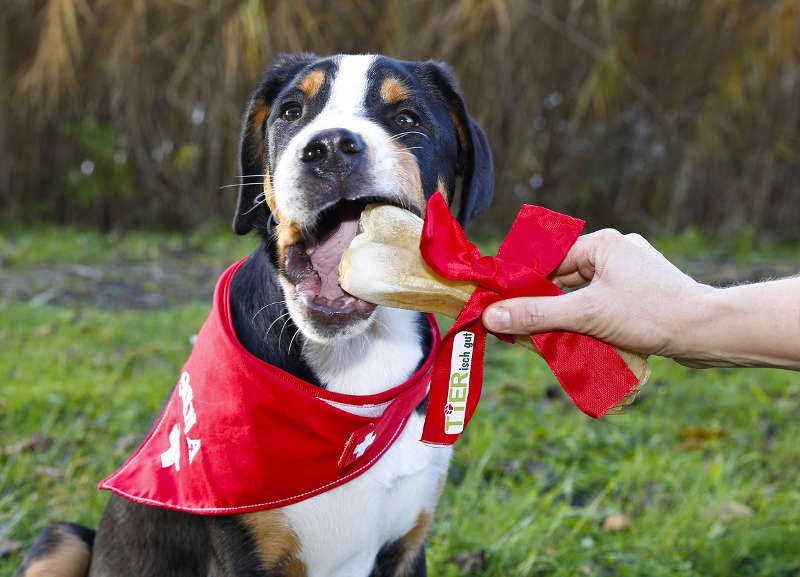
<point>594,376</point>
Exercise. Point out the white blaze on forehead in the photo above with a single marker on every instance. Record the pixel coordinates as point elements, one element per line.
<point>345,108</point>
<point>388,173</point>
<point>349,89</point>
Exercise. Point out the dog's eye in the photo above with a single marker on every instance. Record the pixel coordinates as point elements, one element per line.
<point>406,119</point>
<point>292,112</point>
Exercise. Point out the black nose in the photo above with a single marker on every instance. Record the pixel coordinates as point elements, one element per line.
<point>333,150</point>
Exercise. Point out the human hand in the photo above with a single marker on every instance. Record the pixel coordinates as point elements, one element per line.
<point>635,299</point>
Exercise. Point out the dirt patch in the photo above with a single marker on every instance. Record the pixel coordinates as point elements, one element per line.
<point>164,283</point>
<point>189,276</point>
<point>724,273</point>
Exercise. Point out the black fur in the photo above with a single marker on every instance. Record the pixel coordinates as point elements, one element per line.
<point>475,164</point>
<point>176,544</point>
<point>256,304</point>
<point>253,152</point>
<point>434,96</point>
<point>391,555</point>
<point>134,539</point>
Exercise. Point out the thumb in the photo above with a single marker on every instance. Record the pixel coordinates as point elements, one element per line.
<point>536,314</point>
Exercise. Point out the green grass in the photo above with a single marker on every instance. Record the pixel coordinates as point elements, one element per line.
<point>25,247</point>
<point>704,464</point>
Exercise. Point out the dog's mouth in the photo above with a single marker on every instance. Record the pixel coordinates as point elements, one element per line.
<point>312,264</point>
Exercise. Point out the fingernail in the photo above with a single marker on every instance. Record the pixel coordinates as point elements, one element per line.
<point>498,319</point>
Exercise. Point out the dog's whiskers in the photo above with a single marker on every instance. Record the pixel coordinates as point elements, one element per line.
<point>269,328</point>
<point>402,134</point>
<point>257,201</point>
<point>259,311</point>
<point>240,184</point>
<point>280,335</point>
<point>289,350</point>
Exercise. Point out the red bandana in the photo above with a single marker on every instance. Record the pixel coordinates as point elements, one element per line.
<point>240,435</point>
<point>592,373</point>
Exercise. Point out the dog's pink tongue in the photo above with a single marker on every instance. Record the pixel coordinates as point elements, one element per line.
<point>327,254</point>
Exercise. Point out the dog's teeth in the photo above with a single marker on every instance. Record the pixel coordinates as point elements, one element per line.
<point>310,250</point>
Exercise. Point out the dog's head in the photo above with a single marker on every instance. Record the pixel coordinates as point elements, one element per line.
<point>323,137</point>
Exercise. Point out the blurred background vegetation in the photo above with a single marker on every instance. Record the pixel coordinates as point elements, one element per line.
<point>651,115</point>
<point>678,118</point>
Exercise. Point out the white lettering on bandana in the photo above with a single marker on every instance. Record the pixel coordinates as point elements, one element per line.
<point>172,456</point>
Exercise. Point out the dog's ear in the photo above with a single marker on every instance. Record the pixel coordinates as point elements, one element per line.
<point>475,164</point>
<point>252,210</point>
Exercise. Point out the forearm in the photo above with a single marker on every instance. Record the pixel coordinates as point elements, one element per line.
<point>755,325</point>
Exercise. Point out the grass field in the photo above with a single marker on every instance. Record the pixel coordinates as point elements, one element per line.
<point>697,478</point>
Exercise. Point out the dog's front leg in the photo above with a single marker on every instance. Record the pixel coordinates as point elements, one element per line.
<point>141,541</point>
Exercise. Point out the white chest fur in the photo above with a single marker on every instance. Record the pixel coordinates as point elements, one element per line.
<point>342,530</point>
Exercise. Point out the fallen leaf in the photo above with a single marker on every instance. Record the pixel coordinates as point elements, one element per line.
<point>470,562</point>
<point>39,442</point>
<point>696,437</point>
<point>617,522</point>
<point>51,473</point>
<point>43,331</point>
<point>728,511</point>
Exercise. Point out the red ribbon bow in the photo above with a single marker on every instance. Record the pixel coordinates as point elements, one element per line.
<point>591,372</point>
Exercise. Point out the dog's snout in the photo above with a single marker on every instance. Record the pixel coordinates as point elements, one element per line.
<point>333,150</point>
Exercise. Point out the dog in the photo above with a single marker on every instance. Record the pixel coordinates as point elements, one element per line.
<point>322,137</point>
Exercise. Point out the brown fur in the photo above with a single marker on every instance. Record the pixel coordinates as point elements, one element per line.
<point>460,131</point>
<point>413,541</point>
<point>409,180</point>
<point>259,111</point>
<point>393,90</point>
<point>441,186</point>
<point>70,558</point>
<point>312,82</point>
<point>269,194</point>
<point>277,545</point>
<point>287,234</point>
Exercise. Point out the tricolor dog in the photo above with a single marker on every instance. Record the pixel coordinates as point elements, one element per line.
<point>322,138</point>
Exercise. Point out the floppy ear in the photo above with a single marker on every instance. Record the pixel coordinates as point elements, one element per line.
<point>252,208</point>
<point>475,164</point>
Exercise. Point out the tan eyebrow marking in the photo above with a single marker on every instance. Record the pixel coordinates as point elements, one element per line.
<point>410,180</point>
<point>441,186</point>
<point>312,82</point>
<point>393,90</point>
